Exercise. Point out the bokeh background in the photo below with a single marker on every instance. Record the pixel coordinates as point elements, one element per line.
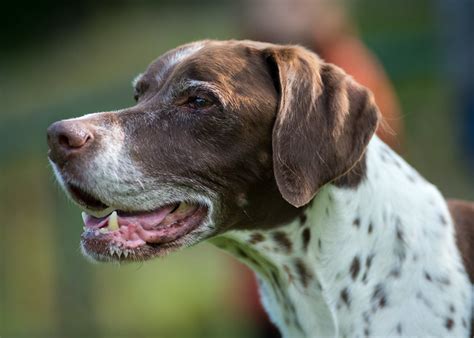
<point>65,59</point>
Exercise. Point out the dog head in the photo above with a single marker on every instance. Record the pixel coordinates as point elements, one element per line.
<point>224,135</point>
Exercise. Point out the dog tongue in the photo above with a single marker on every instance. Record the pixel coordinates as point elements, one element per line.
<point>146,220</point>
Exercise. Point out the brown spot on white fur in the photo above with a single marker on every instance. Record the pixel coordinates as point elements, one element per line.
<point>345,297</point>
<point>355,267</point>
<point>306,237</point>
<point>303,272</point>
<point>282,240</point>
<point>256,237</point>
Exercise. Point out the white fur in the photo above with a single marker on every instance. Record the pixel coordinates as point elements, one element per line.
<point>396,200</point>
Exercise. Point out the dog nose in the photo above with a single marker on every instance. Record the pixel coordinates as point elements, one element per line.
<point>68,138</point>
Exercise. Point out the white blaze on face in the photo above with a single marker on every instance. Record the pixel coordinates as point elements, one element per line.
<point>110,167</point>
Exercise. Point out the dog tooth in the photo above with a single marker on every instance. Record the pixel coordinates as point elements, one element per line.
<point>113,222</point>
<point>84,216</point>
<point>103,230</point>
<point>182,206</point>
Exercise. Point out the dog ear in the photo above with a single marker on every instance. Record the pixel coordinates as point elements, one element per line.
<point>323,124</point>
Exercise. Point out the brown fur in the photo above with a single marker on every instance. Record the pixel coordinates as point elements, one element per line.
<point>323,124</point>
<point>283,124</point>
<point>462,213</point>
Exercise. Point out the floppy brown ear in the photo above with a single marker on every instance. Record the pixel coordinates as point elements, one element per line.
<point>323,124</point>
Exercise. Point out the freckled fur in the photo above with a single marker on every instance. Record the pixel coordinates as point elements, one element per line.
<point>392,303</point>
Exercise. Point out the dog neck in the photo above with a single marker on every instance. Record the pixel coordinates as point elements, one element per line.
<point>348,265</point>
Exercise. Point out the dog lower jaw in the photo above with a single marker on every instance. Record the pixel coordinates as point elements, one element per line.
<point>131,238</point>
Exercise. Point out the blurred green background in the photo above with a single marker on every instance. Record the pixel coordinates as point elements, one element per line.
<point>63,60</point>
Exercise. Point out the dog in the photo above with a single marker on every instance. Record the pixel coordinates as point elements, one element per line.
<point>270,153</point>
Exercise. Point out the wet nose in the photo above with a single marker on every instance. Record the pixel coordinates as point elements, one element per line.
<point>68,138</point>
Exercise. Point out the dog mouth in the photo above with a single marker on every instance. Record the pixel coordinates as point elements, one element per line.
<point>85,199</point>
<point>136,235</point>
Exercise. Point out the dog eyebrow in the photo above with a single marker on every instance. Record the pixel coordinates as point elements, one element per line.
<point>189,84</point>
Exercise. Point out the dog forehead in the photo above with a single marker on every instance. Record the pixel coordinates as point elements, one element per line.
<point>164,64</point>
<point>207,60</point>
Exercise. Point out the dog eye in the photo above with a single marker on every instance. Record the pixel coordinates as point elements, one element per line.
<point>198,102</point>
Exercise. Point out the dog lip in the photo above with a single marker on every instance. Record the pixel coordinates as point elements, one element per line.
<point>85,198</point>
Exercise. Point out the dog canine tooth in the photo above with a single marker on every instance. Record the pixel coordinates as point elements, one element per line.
<point>182,207</point>
<point>84,216</point>
<point>113,222</point>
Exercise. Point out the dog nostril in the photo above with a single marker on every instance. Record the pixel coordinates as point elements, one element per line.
<point>63,141</point>
<point>73,139</point>
<point>66,138</point>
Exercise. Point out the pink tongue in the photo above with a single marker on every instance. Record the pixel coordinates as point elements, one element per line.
<point>146,220</point>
